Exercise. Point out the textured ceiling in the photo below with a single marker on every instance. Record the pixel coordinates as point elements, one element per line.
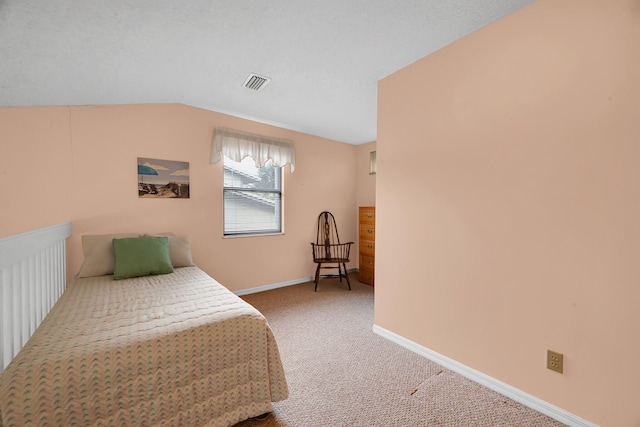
<point>324,57</point>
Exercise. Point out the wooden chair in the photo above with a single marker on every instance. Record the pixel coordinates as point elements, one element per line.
<point>328,250</point>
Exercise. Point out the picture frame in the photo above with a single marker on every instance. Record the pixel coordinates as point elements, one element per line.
<point>163,179</point>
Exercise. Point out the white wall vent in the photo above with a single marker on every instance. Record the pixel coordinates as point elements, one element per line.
<point>256,82</point>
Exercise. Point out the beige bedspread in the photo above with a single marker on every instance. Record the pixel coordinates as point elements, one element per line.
<point>175,350</point>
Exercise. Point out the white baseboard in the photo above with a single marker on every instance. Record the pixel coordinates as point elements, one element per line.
<point>487,381</point>
<point>282,284</point>
<point>272,286</point>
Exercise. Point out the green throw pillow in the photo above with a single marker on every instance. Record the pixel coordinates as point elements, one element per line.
<point>141,256</point>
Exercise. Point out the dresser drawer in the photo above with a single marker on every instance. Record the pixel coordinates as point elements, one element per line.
<point>367,215</point>
<point>365,275</point>
<point>367,247</point>
<point>367,261</point>
<point>367,231</point>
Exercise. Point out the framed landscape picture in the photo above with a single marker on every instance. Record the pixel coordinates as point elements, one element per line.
<point>163,179</point>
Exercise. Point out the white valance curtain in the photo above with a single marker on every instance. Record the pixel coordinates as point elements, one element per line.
<point>237,145</point>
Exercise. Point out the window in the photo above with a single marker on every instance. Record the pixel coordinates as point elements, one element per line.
<point>252,194</point>
<point>372,163</point>
<point>252,198</point>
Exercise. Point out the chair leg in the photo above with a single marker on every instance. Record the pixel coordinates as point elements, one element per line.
<point>317,277</point>
<point>346,275</point>
<point>339,273</point>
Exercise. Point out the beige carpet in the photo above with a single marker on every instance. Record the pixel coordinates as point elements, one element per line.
<point>342,374</point>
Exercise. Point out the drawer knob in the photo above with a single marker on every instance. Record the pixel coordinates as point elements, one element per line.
<point>369,215</point>
<point>370,246</point>
<point>369,231</point>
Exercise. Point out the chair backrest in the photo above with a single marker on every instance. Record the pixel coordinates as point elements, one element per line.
<point>327,230</point>
<point>328,246</point>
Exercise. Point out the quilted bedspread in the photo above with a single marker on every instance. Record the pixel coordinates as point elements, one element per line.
<point>171,350</point>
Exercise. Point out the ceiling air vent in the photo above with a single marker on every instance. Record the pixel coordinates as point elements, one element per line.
<point>256,82</point>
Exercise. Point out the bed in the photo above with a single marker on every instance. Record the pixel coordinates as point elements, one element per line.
<point>175,349</point>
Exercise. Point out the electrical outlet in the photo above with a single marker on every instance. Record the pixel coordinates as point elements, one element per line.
<point>554,361</point>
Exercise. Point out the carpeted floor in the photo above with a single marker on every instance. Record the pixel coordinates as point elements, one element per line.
<point>342,374</point>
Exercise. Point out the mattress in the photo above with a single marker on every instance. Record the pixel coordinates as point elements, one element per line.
<point>177,350</point>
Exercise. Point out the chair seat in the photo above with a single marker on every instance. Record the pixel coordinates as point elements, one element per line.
<point>330,260</point>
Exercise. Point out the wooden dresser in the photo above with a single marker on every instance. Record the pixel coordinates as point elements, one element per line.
<point>367,243</point>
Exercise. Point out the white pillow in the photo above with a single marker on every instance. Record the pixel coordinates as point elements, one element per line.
<point>98,253</point>
<point>179,249</point>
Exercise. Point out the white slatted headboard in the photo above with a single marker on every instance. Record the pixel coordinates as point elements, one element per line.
<point>32,278</point>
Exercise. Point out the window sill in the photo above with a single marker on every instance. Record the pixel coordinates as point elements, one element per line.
<point>238,236</point>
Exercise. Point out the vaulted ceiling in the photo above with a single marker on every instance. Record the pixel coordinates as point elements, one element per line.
<point>324,58</point>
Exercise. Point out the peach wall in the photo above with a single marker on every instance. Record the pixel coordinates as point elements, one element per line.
<point>88,160</point>
<point>508,171</point>
<point>35,168</point>
<point>366,185</point>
